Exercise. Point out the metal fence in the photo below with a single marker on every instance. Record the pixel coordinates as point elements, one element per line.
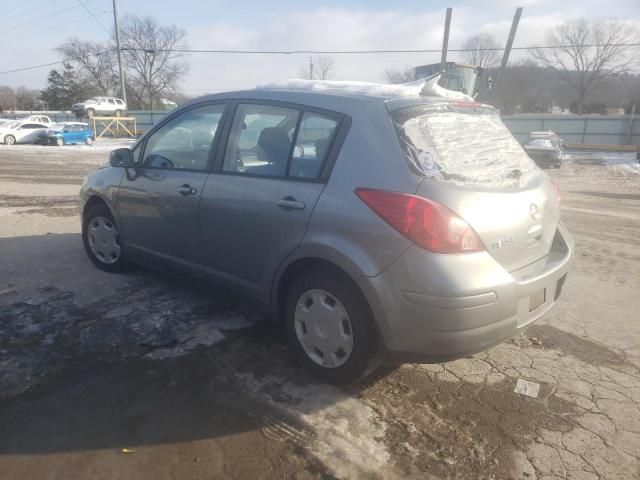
<point>573,129</point>
<point>579,129</point>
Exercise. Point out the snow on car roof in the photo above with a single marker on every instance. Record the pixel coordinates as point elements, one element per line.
<point>418,88</point>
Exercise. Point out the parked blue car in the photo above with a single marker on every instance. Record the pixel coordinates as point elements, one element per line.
<point>67,133</point>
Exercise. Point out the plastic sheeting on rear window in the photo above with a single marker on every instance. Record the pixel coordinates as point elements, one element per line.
<point>466,145</point>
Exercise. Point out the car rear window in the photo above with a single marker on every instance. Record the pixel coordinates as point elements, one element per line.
<point>542,142</point>
<point>465,144</point>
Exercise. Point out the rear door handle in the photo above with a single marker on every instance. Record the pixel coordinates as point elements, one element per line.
<point>290,203</point>
<point>187,189</point>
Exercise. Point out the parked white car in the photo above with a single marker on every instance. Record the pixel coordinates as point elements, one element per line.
<point>38,119</point>
<point>21,131</point>
<point>109,106</point>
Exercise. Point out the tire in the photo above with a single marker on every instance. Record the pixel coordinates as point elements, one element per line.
<point>338,291</point>
<point>93,231</point>
<point>88,140</point>
<point>9,140</point>
<point>60,142</point>
<point>90,112</point>
<point>118,113</point>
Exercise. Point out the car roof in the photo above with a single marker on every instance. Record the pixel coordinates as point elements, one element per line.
<point>337,100</point>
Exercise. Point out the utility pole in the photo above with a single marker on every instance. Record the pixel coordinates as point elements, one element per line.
<point>310,68</point>
<point>445,40</point>
<point>512,36</point>
<point>115,23</point>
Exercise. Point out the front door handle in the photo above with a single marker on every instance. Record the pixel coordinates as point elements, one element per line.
<point>187,189</point>
<point>290,203</point>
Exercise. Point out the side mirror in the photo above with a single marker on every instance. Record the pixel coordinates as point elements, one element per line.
<point>121,157</point>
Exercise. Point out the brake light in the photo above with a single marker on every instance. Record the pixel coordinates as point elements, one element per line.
<point>426,223</point>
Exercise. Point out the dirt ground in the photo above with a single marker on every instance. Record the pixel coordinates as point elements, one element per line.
<point>142,376</point>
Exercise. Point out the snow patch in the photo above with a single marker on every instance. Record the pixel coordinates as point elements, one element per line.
<point>412,89</point>
<point>431,88</point>
<point>349,435</point>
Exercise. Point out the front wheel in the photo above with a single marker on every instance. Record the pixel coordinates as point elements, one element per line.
<point>331,327</point>
<point>88,141</point>
<point>59,141</point>
<point>90,112</point>
<point>9,140</point>
<point>118,113</point>
<point>101,239</point>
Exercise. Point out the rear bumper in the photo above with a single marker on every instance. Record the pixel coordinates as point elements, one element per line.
<point>447,307</point>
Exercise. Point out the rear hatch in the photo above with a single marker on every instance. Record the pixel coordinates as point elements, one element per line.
<point>474,166</point>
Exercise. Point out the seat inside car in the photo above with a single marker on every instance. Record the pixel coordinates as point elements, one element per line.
<point>273,147</point>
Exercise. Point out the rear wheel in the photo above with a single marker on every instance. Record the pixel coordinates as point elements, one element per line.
<point>118,113</point>
<point>9,140</point>
<point>331,327</point>
<point>101,239</point>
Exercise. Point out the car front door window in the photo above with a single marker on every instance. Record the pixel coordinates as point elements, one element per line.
<point>185,141</point>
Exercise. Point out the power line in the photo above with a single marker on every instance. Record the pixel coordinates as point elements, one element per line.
<point>359,52</point>
<point>59,12</point>
<point>18,4</point>
<point>335,52</point>
<point>4,19</point>
<point>94,17</point>
<point>57,26</point>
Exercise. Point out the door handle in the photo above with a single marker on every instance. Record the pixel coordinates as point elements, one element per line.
<point>290,203</point>
<point>187,189</point>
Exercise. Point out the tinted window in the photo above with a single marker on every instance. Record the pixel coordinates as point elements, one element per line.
<point>260,140</point>
<point>120,102</point>
<point>112,101</point>
<point>185,141</point>
<point>312,145</point>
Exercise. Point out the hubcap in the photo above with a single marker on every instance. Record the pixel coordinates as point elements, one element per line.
<point>323,328</point>
<point>10,140</point>
<point>104,240</point>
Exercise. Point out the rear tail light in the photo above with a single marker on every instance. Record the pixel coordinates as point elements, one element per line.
<point>426,223</point>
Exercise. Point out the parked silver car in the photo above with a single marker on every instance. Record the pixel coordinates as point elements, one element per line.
<point>376,228</point>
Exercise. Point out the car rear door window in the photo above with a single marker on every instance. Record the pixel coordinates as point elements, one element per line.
<point>185,141</point>
<point>313,141</point>
<point>260,140</point>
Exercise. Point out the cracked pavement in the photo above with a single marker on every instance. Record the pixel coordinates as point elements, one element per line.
<point>197,385</point>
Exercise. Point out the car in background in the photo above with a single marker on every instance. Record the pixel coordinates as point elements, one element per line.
<point>545,148</point>
<point>376,226</point>
<point>21,131</point>
<point>38,119</point>
<point>67,133</point>
<point>107,106</point>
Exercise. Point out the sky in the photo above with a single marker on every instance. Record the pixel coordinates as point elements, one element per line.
<point>30,29</point>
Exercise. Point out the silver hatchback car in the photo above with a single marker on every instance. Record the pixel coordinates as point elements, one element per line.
<point>377,229</point>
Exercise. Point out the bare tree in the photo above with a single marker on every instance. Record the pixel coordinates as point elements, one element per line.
<point>94,60</point>
<point>583,52</point>
<point>154,66</point>
<point>323,68</point>
<point>480,50</point>
<point>392,75</point>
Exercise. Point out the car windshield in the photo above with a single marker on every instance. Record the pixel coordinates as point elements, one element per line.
<point>56,127</point>
<point>463,144</point>
<point>542,142</point>
<point>13,124</point>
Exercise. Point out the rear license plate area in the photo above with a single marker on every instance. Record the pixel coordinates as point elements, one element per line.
<point>537,299</point>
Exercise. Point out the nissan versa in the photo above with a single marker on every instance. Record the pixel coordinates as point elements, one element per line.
<point>377,227</point>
